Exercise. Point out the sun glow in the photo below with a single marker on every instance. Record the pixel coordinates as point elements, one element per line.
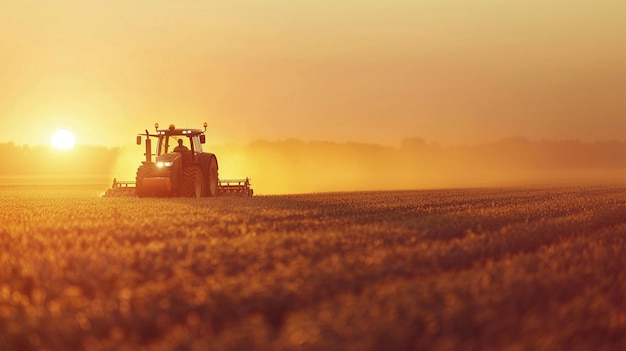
<point>62,140</point>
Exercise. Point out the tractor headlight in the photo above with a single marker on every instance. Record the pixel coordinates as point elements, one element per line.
<point>164,164</point>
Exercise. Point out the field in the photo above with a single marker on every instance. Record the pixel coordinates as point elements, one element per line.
<point>465,269</point>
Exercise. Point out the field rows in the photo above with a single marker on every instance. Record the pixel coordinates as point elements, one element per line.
<point>466,269</point>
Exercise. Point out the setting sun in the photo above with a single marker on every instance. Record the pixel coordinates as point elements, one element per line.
<point>62,140</point>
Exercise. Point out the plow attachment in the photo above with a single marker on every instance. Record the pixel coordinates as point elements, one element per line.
<point>234,187</point>
<point>121,188</point>
<point>226,187</point>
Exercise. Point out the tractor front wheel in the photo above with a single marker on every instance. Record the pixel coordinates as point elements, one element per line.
<point>141,174</point>
<point>192,182</point>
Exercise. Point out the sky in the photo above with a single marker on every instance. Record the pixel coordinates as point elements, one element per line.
<point>448,71</point>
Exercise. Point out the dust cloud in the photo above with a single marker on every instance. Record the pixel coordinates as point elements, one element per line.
<point>128,159</point>
<point>295,166</point>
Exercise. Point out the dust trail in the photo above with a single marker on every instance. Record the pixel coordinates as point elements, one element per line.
<point>294,166</point>
<point>128,159</point>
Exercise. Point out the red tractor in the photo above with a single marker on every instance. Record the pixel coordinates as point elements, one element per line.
<point>180,168</point>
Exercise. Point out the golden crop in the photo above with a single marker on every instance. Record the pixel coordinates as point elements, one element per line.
<point>489,269</point>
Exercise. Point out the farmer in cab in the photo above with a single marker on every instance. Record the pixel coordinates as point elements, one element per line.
<point>180,148</point>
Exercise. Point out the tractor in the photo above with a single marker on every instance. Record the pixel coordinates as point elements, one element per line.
<point>180,168</point>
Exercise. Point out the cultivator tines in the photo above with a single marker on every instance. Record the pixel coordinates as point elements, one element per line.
<point>121,188</point>
<point>234,187</point>
<point>226,187</point>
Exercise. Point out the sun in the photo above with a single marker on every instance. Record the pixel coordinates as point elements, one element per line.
<point>62,140</point>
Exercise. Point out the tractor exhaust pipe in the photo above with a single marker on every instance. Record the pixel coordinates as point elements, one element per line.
<point>148,150</point>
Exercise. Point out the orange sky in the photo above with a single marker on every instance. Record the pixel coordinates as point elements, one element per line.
<point>370,71</point>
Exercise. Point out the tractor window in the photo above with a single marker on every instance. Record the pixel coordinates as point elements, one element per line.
<point>197,146</point>
<point>161,145</point>
<point>178,144</point>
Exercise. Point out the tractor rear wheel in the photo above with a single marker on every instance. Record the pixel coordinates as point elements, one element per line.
<point>192,182</point>
<point>211,181</point>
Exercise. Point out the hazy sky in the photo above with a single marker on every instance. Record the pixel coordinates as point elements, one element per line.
<point>451,71</point>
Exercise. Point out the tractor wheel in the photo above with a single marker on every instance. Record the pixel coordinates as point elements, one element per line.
<point>192,182</point>
<point>141,174</point>
<point>211,181</point>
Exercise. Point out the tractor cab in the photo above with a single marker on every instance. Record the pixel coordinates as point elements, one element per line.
<point>187,142</point>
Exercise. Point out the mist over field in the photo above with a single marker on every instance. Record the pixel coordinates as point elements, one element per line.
<point>296,166</point>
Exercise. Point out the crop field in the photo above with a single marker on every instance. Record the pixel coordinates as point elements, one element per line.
<point>460,269</point>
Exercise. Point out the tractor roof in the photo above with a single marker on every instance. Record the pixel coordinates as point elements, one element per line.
<point>172,130</point>
<point>180,131</point>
